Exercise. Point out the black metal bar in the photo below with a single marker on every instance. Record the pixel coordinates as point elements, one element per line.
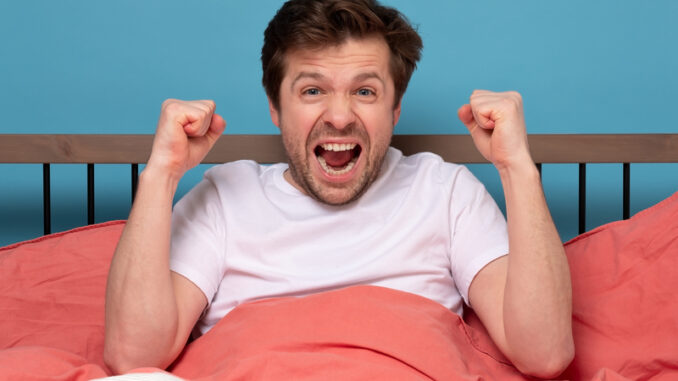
<point>135,179</point>
<point>582,197</point>
<point>90,194</point>
<point>626,213</point>
<point>46,200</point>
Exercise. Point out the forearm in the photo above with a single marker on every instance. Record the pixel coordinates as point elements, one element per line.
<point>537,308</point>
<point>141,311</point>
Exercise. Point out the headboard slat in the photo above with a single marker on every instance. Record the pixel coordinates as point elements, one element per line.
<point>557,148</point>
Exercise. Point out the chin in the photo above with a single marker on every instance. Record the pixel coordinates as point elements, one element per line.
<point>338,200</point>
<point>340,194</point>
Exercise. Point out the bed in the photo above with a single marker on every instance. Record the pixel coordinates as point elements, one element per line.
<point>624,276</point>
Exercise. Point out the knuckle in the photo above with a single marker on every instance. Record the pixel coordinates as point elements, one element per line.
<point>170,105</point>
<point>202,107</point>
<point>512,98</point>
<point>516,96</point>
<point>210,107</point>
<point>168,101</point>
<point>509,104</point>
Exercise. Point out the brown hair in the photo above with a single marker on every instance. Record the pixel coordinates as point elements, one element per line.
<point>311,24</point>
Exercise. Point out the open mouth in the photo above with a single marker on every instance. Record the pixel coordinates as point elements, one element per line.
<point>337,159</point>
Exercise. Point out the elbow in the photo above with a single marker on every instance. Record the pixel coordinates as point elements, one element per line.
<point>549,364</point>
<point>121,356</point>
<point>117,359</point>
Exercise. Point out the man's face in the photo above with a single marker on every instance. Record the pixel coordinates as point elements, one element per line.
<point>336,116</point>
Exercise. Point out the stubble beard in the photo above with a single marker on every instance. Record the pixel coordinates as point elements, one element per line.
<point>300,160</point>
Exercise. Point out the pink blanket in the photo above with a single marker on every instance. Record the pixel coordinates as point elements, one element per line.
<point>361,332</point>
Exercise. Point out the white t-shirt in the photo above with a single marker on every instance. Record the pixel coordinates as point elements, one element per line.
<point>424,226</point>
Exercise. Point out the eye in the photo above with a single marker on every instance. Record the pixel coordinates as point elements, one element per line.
<point>365,92</point>
<point>312,91</point>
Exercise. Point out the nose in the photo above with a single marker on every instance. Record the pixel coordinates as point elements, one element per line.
<point>339,112</point>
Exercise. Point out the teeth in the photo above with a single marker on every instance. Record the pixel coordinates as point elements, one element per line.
<point>335,172</point>
<point>338,147</point>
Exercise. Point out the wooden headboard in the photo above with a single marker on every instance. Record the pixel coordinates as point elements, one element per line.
<point>567,148</point>
<point>581,149</point>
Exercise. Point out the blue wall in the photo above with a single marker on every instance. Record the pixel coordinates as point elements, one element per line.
<point>83,66</point>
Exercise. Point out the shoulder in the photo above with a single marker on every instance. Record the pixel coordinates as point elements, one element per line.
<point>239,167</point>
<point>453,184</point>
<point>241,174</point>
<point>236,179</point>
<point>433,166</point>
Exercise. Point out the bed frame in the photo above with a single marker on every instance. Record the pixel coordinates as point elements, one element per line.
<point>581,149</point>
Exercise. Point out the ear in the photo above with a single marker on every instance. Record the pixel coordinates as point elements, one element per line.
<point>275,115</point>
<point>396,113</point>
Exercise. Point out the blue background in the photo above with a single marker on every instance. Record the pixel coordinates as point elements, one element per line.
<point>93,66</point>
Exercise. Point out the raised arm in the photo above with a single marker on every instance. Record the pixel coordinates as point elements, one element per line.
<point>150,311</point>
<point>523,299</point>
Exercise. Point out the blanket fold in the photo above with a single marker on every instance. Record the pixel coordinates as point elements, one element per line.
<point>356,333</point>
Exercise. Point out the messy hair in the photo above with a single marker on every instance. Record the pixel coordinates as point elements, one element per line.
<point>313,24</point>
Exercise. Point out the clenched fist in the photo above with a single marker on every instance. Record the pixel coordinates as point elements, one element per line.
<point>186,132</point>
<point>497,125</point>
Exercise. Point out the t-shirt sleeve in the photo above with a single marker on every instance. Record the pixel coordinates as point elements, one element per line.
<point>198,238</point>
<point>479,233</point>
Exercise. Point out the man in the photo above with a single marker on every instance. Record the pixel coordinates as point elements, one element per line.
<point>346,209</point>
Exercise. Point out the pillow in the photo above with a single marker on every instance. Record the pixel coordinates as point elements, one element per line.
<point>52,290</point>
<point>624,284</point>
<point>625,309</point>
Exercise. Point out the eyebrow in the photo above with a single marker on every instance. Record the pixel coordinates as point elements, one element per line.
<point>306,74</point>
<point>369,75</point>
<point>319,77</point>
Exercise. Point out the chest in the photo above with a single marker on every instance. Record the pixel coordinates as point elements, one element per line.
<point>312,242</point>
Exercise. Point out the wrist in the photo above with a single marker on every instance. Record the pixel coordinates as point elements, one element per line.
<point>159,179</point>
<point>523,168</point>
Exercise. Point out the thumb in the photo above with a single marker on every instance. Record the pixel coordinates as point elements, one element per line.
<point>216,128</point>
<point>481,137</point>
<point>466,116</point>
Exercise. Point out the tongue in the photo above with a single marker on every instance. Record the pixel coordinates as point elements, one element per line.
<point>337,159</point>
